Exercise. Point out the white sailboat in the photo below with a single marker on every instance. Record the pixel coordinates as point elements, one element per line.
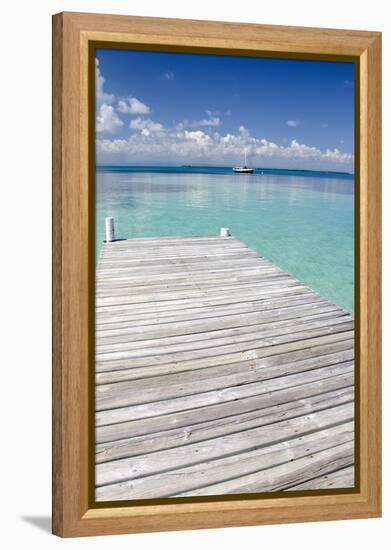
<point>243,169</point>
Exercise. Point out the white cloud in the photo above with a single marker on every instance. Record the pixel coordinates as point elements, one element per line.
<point>130,105</point>
<point>293,123</point>
<point>107,119</point>
<point>151,141</point>
<point>169,75</point>
<point>198,136</point>
<point>133,106</point>
<point>100,94</point>
<point>211,121</point>
<point>114,146</point>
<point>145,125</point>
<point>337,156</point>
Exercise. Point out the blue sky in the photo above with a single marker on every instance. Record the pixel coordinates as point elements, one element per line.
<point>155,108</point>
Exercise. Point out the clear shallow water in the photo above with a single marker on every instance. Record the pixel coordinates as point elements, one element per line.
<point>304,223</point>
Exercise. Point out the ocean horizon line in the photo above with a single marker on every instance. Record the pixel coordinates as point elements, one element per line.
<point>197,168</point>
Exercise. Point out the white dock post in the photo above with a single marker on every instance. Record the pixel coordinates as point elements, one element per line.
<point>224,232</point>
<point>110,234</point>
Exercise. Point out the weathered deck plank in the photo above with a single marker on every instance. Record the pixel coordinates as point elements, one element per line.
<point>217,373</point>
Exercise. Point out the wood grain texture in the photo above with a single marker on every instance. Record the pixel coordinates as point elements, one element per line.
<point>222,35</point>
<point>57,278</point>
<point>370,272</point>
<point>293,424</point>
<point>73,514</point>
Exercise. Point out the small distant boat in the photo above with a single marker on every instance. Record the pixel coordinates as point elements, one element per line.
<point>243,169</point>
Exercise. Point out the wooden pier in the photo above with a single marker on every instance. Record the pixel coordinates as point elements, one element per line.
<point>217,373</point>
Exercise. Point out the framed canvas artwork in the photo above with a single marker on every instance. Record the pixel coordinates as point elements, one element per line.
<point>216,230</point>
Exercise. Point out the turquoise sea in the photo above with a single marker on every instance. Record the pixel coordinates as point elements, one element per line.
<point>302,221</point>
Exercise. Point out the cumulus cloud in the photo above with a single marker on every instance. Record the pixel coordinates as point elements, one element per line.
<point>107,119</point>
<point>211,121</point>
<point>101,95</point>
<point>151,141</point>
<point>293,123</point>
<point>169,75</point>
<point>145,125</point>
<point>133,106</point>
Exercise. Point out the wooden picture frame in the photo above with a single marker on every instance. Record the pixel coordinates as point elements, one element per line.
<point>73,34</point>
